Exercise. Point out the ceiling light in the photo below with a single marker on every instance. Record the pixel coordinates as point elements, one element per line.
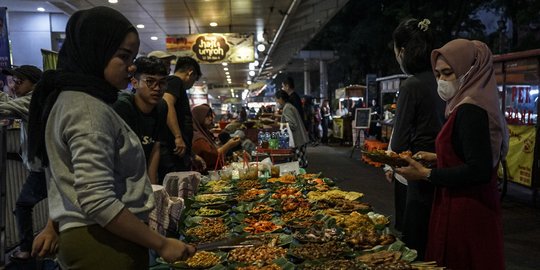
<point>256,63</point>
<point>248,82</point>
<point>141,26</point>
<point>252,73</point>
<point>225,69</point>
<point>213,24</point>
<point>251,66</point>
<point>113,1</point>
<point>154,38</point>
<point>224,64</point>
<point>261,47</point>
<point>40,9</point>
<point>227,73</point>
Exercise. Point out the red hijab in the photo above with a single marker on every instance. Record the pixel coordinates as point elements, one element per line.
<point>200,131</point>
<point>472,63</point>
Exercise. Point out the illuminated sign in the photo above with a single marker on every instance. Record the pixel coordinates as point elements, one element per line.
<point>213,48</point>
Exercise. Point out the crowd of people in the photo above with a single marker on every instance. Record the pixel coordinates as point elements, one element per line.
<point>100,151</point>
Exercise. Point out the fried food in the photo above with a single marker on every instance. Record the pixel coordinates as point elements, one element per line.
<point>334,194</point>
<point>313,251</point>
<point>299,213</point>
<point>208,230</point>
<point>251,195</point>
<point>286,192</point>
<point>292,204</point>
<point>261,226</point>
<point>249,184</point>
<point>203,259</point>
<point>260,254</point>
<point>285,179</point>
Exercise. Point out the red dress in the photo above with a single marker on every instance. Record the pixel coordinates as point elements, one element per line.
<point>465,230</point>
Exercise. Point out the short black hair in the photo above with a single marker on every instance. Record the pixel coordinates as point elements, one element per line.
<point>418,45</point>
<point>290,82</point>
<point>283,95</point>
<point>150,65</point>
<point>184,63</point>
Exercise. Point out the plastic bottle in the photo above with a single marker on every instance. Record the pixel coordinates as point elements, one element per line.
<point>260,138</point>
<point>285,140</point>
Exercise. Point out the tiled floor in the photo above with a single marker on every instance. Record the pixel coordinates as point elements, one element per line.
<point>520,218</point>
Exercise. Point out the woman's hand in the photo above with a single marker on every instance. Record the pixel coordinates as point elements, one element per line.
<point>427,156</point>
<point>233,142</point>
<point>389,176</point>
<point>174,250</point>
<point>415,170</point>
<point>46,242</point>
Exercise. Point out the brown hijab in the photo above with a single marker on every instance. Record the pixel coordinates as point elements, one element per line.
<point>473,65</point>
<point>200,131</point>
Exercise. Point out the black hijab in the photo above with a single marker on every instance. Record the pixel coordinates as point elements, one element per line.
<point>92,38</point>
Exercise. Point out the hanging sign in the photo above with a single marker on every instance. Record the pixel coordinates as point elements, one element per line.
<point>213,48</point>
<point>520,155</point>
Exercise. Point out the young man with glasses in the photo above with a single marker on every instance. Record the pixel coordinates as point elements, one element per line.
<point>34,188</point>
<point>145,111</point>
<point>176,154</point>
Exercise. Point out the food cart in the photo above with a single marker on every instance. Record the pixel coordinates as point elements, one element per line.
<point>342,123</point>
<point>388,90</point>
<point>518,79</point>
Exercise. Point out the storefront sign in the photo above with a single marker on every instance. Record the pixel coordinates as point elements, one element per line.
<point>4,47</point>
<point>520,154</point>
<point>213,48</point>
<point>338,128</point>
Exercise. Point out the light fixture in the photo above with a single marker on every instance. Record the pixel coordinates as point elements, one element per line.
<point>252,73</point>
<point>256,63</point>
<point>261,47</point>
<point>113,1</point>
<point>40,9</point>
<point>213,24</point>
<point>225,69</point>
<point>249,82</point>
<point>224,64</point>
<point>154,38</point>
<point>141,26</point>
<point>251,66</point>
<point>227,73</point>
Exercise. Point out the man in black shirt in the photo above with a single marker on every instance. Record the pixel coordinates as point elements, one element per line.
<point>294,98</point>
<point>146,112</point>
<point>176,152</point>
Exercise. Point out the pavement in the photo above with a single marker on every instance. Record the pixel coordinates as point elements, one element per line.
<point>521,217</point>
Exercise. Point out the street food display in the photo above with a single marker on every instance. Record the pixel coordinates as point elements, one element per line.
<point>394,159</point>
<point>287,223</point>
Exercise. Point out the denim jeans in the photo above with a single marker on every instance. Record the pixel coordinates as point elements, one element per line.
<point>33,191</point>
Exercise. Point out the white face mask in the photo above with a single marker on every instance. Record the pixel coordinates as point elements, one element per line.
<point>447,89</point>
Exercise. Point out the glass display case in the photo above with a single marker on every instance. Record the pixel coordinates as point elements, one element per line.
<point>518,79</point>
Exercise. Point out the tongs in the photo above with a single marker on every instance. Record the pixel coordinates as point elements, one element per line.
<point>229,243</point>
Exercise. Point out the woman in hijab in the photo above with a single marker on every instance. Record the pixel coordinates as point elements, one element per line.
<point>292,116</point>
<point>99,192</point>
<point>203,139</point>
<point>465,229</point>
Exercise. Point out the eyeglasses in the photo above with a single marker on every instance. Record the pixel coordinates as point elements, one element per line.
<point>152,83</point>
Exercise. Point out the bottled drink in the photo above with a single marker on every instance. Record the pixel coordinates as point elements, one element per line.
<point>260,138</point>
<point>273,141</point>
<point>285,140</point>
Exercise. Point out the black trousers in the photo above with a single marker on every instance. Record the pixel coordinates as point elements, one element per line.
<point>416,216</point>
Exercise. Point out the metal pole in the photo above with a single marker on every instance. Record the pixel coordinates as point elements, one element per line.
<point>324,79</point>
